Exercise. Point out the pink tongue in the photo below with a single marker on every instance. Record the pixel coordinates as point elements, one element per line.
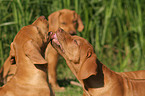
<point>54,36</point>
<point>56,41</point>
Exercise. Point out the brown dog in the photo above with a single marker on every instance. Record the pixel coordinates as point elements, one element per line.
<point>66,19</point>
<point>28,49</point>
<point>95,77</point>
<point>69,21</point>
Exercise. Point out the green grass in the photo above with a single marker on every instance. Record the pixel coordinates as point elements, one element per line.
<point>70,91</point>
<point>115,28</point>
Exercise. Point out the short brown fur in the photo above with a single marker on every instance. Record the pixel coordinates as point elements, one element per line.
<point>95,77</point>
<point>28,49</point>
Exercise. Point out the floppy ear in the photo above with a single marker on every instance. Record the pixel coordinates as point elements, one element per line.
<point>6,66</point>
<point>89,67</point>
<point>32,51</point>
<point>9,61</point>
<point>53,20</point>
<point>80,23</point>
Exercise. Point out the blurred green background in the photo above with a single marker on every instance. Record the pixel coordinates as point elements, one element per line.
<point>115,28</point>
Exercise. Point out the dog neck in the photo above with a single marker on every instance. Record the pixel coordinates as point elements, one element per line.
<point>74,70</point>
<point>102,80</point>
<point>95,83</point>
<point>29,72</point>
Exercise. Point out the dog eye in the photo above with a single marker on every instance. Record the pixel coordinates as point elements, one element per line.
<point>75,21</point>
<point>76,42</point>
<point>63,23</point>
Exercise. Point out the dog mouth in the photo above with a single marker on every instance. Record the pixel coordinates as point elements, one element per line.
<point>57,43</point>
<point>49,34</point>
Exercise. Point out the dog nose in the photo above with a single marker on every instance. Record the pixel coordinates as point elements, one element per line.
<point>49,33</point>
<point>73,33</point>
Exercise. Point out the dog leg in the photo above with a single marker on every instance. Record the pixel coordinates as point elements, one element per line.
<point>52,58</point>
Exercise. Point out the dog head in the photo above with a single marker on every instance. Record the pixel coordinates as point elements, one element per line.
<point>33,39</point>
<point>77,52</point>
<point>66,19</point>
<point>41,23</point>
<point>38,29</point>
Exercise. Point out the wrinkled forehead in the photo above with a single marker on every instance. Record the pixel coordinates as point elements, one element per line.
<point>67,16</point>
<point>83,43</point>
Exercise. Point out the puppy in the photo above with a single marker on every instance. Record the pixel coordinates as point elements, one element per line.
<point>69,21</point>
